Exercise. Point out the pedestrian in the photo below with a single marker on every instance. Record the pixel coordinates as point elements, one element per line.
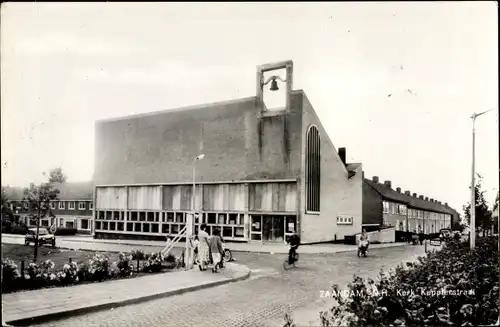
<point>216,249</point>
<point>203,247</point>
<point>196,243</point>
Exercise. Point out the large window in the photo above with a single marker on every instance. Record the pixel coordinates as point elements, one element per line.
<point>386,207</point>
<point>313,170</point>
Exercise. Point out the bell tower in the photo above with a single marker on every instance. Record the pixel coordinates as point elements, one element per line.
<point>275,83</point>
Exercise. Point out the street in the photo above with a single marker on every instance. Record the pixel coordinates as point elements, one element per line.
<point>261,300</point>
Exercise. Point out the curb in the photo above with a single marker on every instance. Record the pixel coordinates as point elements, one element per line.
<point>104,306</point>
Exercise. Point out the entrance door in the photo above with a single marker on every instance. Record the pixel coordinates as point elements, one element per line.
<point>273,229</point>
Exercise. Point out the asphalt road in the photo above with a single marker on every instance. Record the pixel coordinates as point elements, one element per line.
<point>261,300</point>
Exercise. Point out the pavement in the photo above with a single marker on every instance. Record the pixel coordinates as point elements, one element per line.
<point>281,248</point>
<point>26,308</point>
<point>261,300</point>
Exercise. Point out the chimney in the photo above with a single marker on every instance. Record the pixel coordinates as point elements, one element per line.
<point>426,198</point>
<point>414,195</point>
<point>342,155</point>
<point>421,197</point>
<point>432,200</point>
<point>398,189</point>
<point>375,179</point>
<point>446,204</point>
<point>387,183</point>
<point>408,193</point>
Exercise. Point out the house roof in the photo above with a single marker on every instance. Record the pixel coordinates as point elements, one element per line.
<point>67,191</point>
<point>388,193</point>
<point>14,193</point>
<point>75,190</point>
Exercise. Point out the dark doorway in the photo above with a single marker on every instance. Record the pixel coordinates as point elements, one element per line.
<point>273,228</point>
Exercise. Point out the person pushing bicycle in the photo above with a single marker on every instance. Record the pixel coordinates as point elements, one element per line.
<point>294,242</point>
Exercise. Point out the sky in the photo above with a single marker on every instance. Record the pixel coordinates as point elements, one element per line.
<point>66,65</point>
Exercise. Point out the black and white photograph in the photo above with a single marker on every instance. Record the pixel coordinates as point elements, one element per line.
<point>250,164</point>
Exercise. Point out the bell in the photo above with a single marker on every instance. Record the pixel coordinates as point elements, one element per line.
<point>274,85</point>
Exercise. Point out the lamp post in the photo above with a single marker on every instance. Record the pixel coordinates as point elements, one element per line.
<point>473,188</point>
<point>190,223</point>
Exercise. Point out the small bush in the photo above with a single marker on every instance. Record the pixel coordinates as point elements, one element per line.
<point>124,265</point>
<point>65,231</point>
<point>137,255</point>
<point>9,271</point>
<point>99,267</point>
<point>153,262</point>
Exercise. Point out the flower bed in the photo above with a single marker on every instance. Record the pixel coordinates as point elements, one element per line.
<point>454,286</point>
<point>99,268</point>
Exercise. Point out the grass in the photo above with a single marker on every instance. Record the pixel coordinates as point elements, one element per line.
<point>60,256</point>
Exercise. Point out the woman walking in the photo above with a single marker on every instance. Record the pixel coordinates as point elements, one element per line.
<point>216,249</point>
<point>203,247</point>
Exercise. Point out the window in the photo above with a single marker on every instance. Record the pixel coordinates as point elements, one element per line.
<point>91,205</point>
<point>386,207</point>
<point>344,220</point>
<point>52,205</point>
<point>313,170</point>
<point>85,223</point>
<point>81,205</point>
<point>61,205</point>
<point>26,205</point>
<point>71,205</point>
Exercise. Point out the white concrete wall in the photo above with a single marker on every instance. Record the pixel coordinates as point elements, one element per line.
<point>387,235</point>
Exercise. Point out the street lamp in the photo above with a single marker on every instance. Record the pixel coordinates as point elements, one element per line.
<point>190,222</point>
<point>473,189</point>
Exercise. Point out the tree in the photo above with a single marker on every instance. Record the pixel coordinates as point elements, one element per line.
<point>6,212</point>
<point>458,226</point>
<point>483,214</point>
<point>495,204</point>
<point>56,175</point>
<point>39,206</point>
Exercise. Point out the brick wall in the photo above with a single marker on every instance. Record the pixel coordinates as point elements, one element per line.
<point>339,195</point>
<point>160,147</point>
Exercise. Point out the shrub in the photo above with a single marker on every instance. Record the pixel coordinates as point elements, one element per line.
<point>137,255</point>
<point>153,262</point>
<point>124,265</point>
<point>469,278</point>
<point>9,271</point>
<point>15,229</point>
<point>170,258</point>
<point>65,231</point>
<point>69,274</point>
<point>99,267</point>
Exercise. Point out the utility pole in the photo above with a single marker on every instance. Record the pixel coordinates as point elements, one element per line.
<point>473,186</point>
<point>39,203</point>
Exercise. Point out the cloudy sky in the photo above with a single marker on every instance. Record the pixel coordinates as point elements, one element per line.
<point>65,65</point>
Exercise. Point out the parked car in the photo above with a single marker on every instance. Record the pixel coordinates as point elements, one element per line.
<point>444,234</point>
<point>44,237</point>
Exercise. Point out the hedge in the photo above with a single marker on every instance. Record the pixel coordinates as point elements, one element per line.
<point>65,231</point>
<point>18,230</point>
<point>454,286</point>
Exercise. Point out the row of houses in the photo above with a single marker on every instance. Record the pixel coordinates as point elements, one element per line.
<point>265,174</point>
<point>74,209</point>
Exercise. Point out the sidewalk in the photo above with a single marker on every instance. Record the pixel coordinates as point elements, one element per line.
<point>29,307</point>
<point>279,248</point>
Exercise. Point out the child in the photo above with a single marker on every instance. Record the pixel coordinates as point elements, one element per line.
<point>216,249</point>
<point>196,242</point>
